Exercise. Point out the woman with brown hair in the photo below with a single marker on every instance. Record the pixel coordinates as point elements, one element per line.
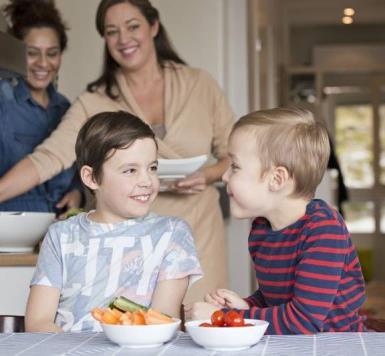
<point>185,107</point>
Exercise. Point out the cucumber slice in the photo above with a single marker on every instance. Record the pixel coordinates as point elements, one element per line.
<point>124,304</point>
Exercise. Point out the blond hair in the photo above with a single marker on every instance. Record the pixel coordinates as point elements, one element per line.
<point>290,138</point>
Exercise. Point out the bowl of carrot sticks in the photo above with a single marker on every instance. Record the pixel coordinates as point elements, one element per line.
<point>129,324</point>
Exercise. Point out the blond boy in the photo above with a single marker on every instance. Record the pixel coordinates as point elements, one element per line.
<point>307,269</point>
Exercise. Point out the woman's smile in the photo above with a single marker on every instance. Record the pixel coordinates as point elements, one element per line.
<point>40,74</point>
<point>128,51</point>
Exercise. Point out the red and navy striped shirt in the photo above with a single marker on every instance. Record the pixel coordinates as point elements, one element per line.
<point>309,275</point>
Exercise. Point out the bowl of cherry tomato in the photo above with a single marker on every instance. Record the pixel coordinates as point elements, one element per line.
<point>226,331</point>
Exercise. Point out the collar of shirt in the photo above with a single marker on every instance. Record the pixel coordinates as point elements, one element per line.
<point>23,93</point>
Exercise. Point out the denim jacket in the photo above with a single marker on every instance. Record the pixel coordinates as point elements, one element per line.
<point>24,124</point>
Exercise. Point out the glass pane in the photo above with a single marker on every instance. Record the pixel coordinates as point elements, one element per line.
<point>354,144</point>
<point>359,217</point>
<point>366,261</point>
<point>382,222</point>
<point>382,141</point>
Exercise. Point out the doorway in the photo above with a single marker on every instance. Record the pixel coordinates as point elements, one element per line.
<point>356,110</point>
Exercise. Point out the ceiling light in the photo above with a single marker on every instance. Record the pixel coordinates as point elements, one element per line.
<point>347,20</point>
<point>349,11</point>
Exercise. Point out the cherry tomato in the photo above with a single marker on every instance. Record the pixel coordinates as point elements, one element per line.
<point>206,325</point>
<point>218,318</point>
<point>233,318</point>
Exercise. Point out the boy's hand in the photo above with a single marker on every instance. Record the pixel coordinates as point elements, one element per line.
<point>199,310</point>
<point>224,298</point>
<point>215,299</point>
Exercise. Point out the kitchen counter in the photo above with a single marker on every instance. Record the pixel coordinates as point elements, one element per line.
<point>18,259</point>
<point>16,271</point>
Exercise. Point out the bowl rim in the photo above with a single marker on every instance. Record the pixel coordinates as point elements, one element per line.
<point>257,323</point>
<point>174,323</point>
<point>16,213</point>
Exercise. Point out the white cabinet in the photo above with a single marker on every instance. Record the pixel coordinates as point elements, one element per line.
<point>15,289</point>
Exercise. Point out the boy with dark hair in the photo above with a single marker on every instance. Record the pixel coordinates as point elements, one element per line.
<point>120,248</point>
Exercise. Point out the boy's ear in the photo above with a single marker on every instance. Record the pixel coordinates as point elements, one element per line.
<point>86,174</point>
<point>279,176</point>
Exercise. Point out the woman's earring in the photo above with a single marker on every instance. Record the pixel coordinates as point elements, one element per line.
<point>55,82</point>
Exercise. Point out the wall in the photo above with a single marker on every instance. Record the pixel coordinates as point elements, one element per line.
<point>82,61</point>
<point>198,38</point>
<point>237,89</point>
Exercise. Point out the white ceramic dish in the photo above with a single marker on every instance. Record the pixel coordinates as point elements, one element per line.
<point>227,338</point>
<point>179,168</point>
<point>21,231</point>
<point>140,336</point>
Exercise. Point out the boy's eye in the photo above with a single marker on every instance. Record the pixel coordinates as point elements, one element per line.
<point>234,166</point>
<point>129,171</point>
<point>154,168</point>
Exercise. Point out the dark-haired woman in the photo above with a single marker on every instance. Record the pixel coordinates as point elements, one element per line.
<point>185,107</point>
<point>31,108</point>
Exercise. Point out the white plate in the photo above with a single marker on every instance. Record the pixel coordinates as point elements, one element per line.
<point>141,336</point>
<point>227,338</point>
<point>179,168</point>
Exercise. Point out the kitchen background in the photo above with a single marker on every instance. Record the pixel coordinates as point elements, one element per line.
<point>266,53</point>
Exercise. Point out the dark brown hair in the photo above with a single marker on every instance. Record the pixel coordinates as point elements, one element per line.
<point>163,46</point>
<point>104,133</point>
<point>24,15</point>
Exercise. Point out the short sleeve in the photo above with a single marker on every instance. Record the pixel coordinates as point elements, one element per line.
<point>49,268</point>
<point>181,259</point>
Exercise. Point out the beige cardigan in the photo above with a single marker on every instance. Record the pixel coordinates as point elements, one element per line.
<point>198,120</point>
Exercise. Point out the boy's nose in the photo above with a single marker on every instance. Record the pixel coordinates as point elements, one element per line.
<point>145,180</point>
<point>145,184</point>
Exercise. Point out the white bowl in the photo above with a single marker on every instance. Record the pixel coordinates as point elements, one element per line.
<point>227,338</point>
<point>21,231</point>
<point>138,336</point>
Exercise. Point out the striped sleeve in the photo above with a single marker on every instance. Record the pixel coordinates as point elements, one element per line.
<point>317,277</point>
<point>256,300</point>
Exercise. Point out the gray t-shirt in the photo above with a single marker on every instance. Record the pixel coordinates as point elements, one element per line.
<point>91,263</point>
